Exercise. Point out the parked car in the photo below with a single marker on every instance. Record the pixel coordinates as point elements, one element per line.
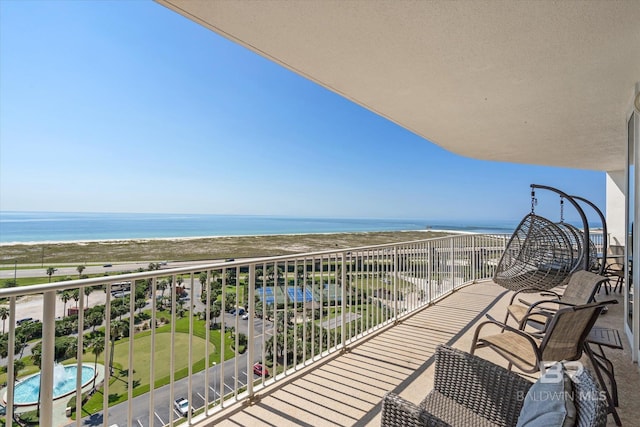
<point>245,316</point>
<point>259,369</point>
<point>182,406</point>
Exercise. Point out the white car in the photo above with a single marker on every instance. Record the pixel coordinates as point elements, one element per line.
<point>182,406</point>
<point>245,316</point>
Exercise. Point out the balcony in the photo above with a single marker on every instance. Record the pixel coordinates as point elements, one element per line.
<point>347,390</point>
<point>359,323</point>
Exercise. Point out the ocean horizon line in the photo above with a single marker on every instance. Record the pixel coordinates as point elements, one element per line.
<point>39,227</point>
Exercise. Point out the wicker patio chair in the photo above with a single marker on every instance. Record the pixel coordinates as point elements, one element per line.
<point>615,275</point>
<point>563,338</point>
<point>581,289</point>
<point>471,391</point>
<point>539,255</point>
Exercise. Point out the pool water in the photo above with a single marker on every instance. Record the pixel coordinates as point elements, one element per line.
<point>64,382</point>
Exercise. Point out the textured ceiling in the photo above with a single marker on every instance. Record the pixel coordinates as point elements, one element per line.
<point>538,82</point>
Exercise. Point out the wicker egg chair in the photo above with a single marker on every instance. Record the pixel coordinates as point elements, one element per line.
<point>540,255</point>
<point>576,238</point>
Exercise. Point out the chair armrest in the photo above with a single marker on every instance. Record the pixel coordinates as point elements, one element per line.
<point>546,293</point>
<point>610,301</point>
<point>506,327</point>
<point>397,411</point>
<point>489,390</point>
<point>540,305</point>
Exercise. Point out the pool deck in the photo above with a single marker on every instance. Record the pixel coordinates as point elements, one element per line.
<point>60,404</point>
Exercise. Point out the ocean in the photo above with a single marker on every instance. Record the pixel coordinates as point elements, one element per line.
<point>35,227</point>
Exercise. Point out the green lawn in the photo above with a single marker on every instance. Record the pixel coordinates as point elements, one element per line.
<point>161,354</point>
<point>142,353</point>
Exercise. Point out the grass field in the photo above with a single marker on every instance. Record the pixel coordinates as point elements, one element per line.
<point>161,355</point>
<point>142,353</point>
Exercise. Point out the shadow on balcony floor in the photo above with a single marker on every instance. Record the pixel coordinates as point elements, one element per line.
<point>347,389</point>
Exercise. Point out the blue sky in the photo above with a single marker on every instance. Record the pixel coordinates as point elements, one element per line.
<point>129,107</point>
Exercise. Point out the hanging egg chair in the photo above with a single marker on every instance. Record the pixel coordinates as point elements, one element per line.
<point>576,237</point>
<point>539,256</point>
<point>594,263</point>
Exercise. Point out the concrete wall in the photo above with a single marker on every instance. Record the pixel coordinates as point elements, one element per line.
<point>615,209</point>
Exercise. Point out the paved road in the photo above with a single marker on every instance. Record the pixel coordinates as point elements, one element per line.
<point>72,271</point>
<point>163,407</point>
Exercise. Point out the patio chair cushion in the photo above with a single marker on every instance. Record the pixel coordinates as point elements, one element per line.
<point>549,402</point>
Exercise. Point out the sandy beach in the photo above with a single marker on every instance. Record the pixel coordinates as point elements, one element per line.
<point>41,255</point>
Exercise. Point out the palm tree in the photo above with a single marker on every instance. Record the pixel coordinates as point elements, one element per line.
<point>231,276</point>
<point>202,278</point>
<point>116,330</point>
<point>36,358</point>
<point>94,319</point>
<point>216,311</point>
<point>87,291</point>
<point>162,286</point>
<point>97,347</point>
<point>50,271</point>
<point>140,304</point>
<point>18,365</point>
<point>36,354</point>
<point>4,315</point>
<point>65,296</point>
<point>181,310</point>
<point>4,345</point>
<point>75,294</point>
<point>80,269</point>
<point>179,281</point>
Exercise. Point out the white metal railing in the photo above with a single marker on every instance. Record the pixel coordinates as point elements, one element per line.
<point>301,308</point>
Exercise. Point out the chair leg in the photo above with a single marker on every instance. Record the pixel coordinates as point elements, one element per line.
<point>596,368</point>
<point>618,285</point>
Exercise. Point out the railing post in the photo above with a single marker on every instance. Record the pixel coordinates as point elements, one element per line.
<point>190,350</point>
<point>11,380</point>
<point>79,352</point>
<point>152,369</point>
<point>451,268</point>
<point>223,332</point>
<point>343,314</point>
<point>107,353</point>
<point>395,282</point>
<point>430,270</point>
<point>474,259</point>
<point>251,329</point>
<point>48,359</point>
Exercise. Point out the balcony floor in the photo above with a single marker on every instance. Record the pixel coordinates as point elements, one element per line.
<point>346,390</point>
